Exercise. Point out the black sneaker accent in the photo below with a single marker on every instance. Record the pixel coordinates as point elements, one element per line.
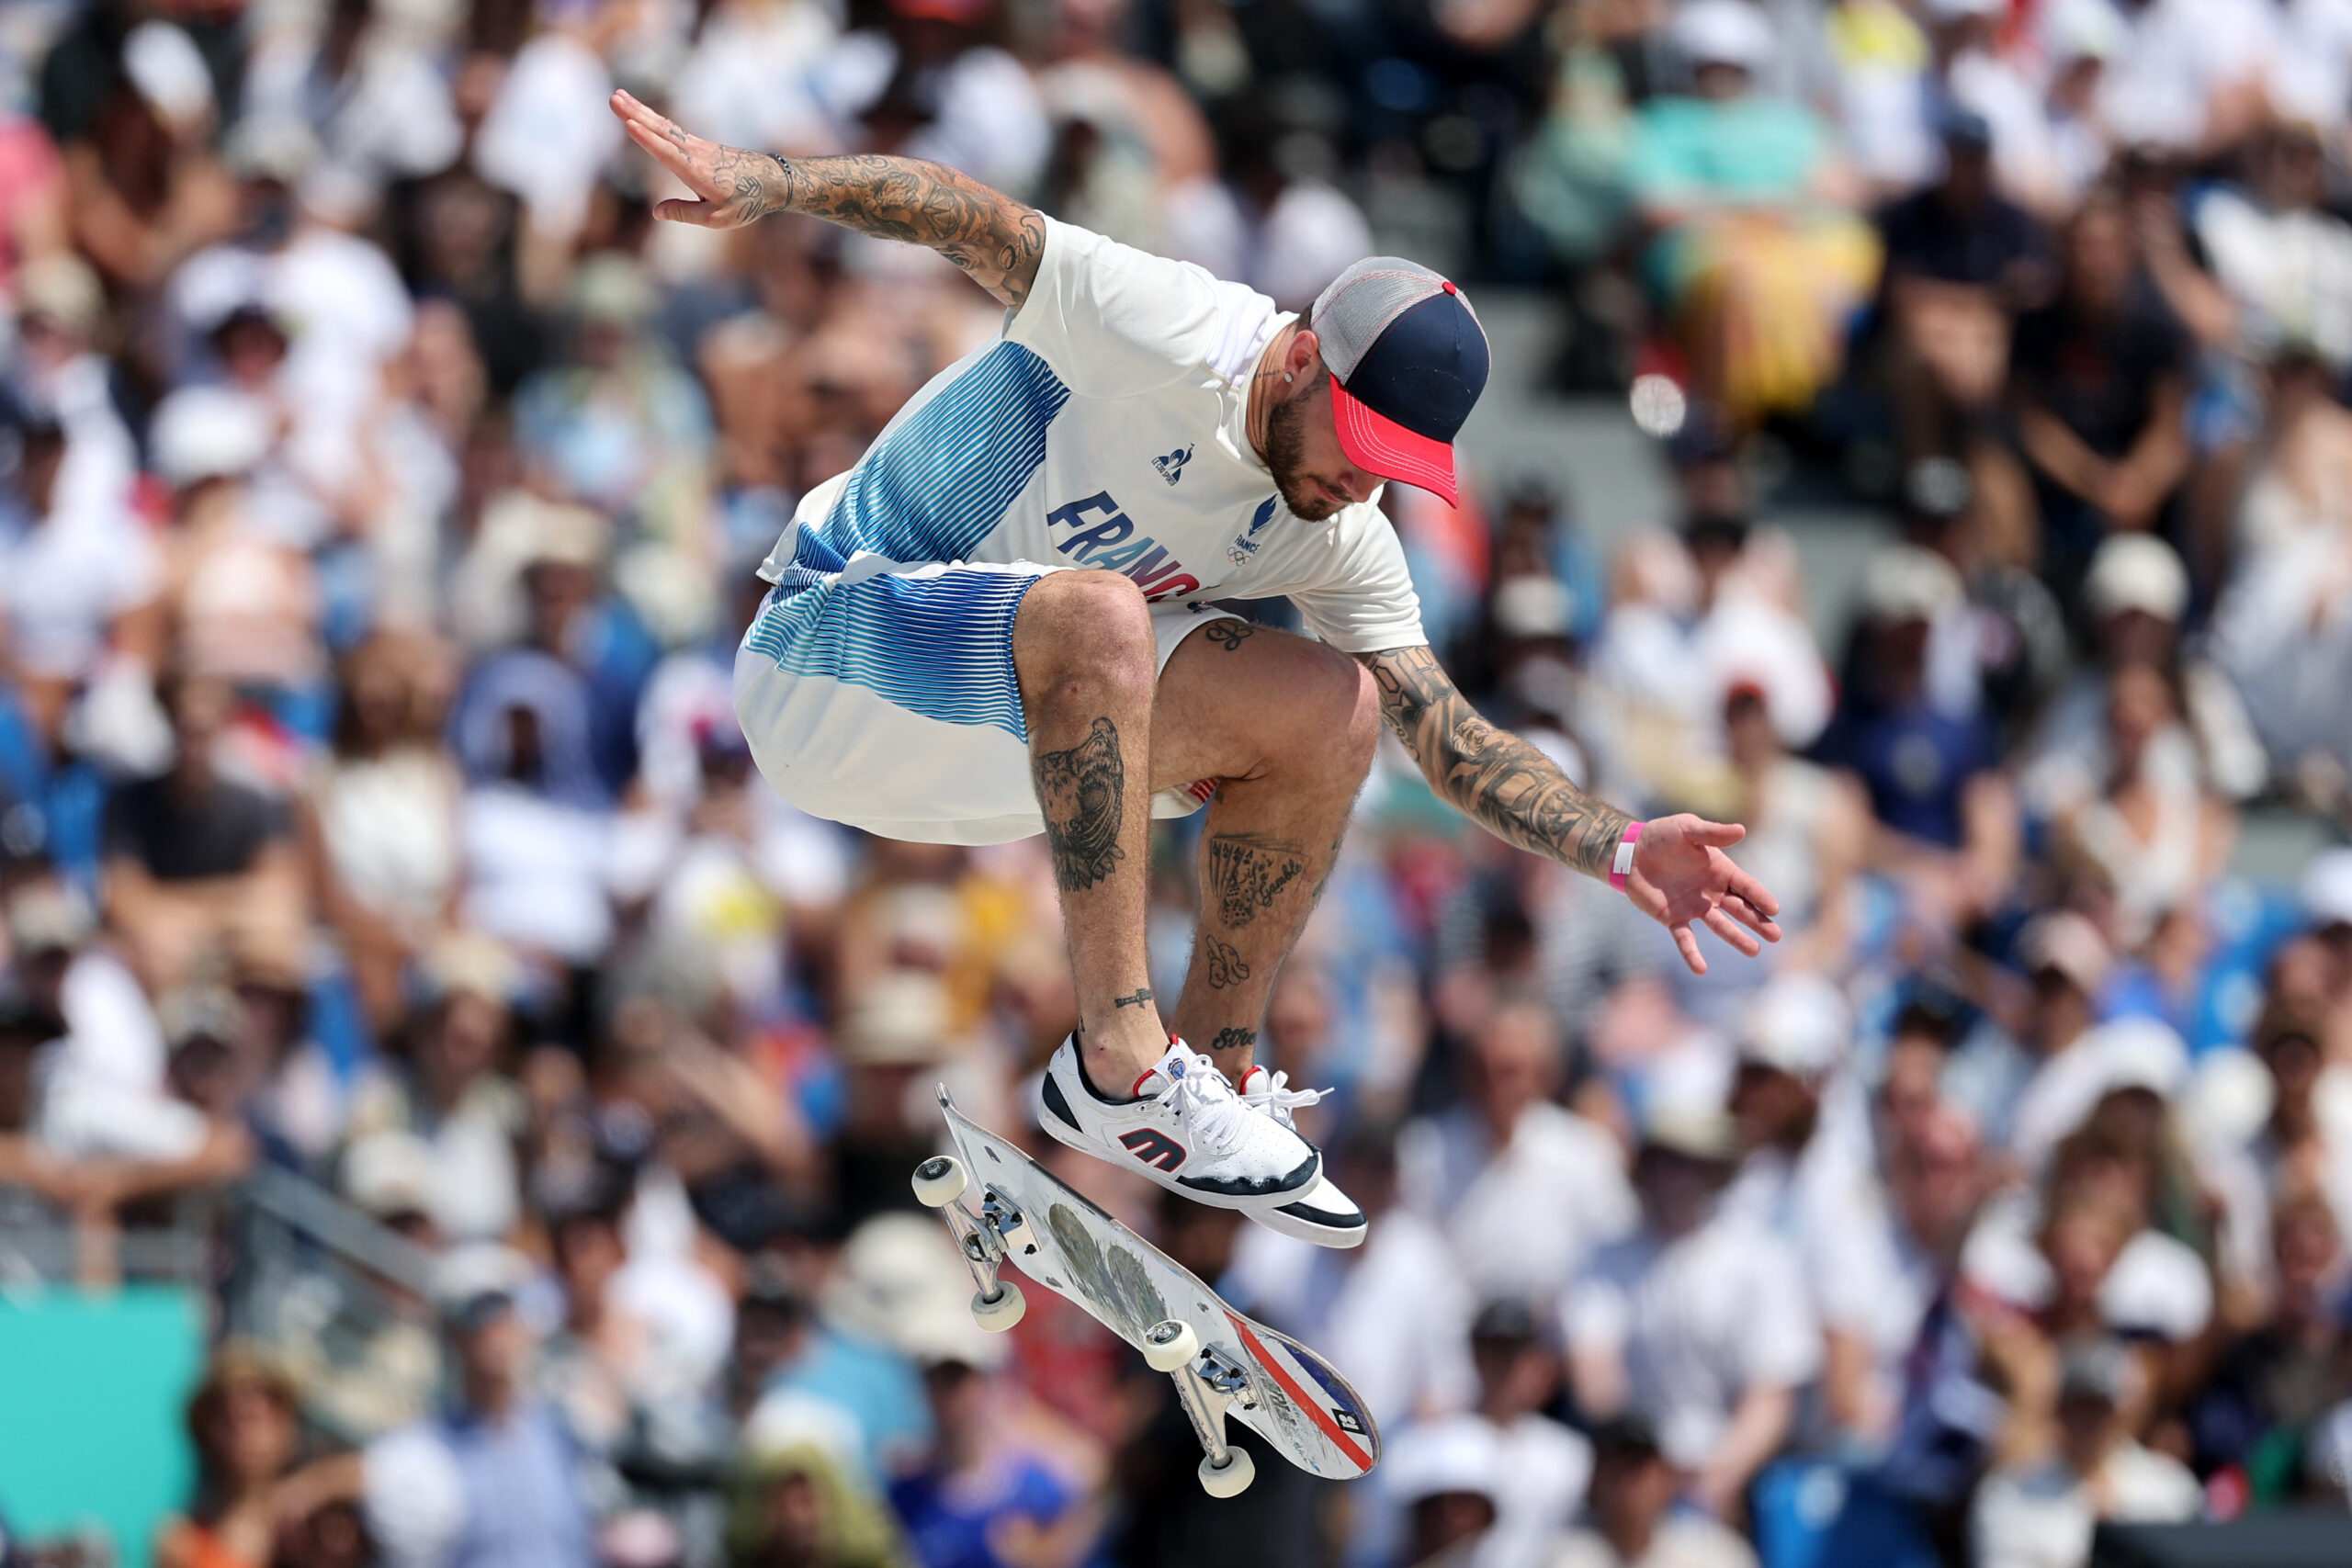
<point>1336,1220</point>
<point>1234,1187</point>
<point>1057,1105</point>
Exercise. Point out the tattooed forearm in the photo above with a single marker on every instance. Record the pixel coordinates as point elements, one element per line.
<point>993,237</point>
<point>1246,875</point>
<point>1500,781</point>
<point>1233,1039</point>
<point>990,235</point>
<point>1083,791</point>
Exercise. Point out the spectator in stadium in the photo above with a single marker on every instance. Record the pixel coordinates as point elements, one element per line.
<point>1632,1521</point>
<point>194,855</point>
<point>793,1508</point>
<point>446,1086</point>
<point>1756,263</point>
<point>1697,1323</point>
<point>252,1483</point>
<point>378,818</point>
<point>1476,1169</point>
<point>1946,818</point>
<point>2039,1511</point>
<point>985,1497</point>
<point>1446,1479</point>
<point>2100,378</point>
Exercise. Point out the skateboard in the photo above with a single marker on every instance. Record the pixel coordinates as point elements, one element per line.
<point>1005,1208</point>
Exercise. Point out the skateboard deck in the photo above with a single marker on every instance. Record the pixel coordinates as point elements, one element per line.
<point>1284,1392</point>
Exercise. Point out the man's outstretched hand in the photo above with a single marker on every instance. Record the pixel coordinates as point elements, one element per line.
<point>735,187</point>
<point>1682,877</point>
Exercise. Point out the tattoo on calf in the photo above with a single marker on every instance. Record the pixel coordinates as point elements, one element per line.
<point>1229,635</point>
<point>1248,876</point>
<point>1134,999</point>
<point>1083,792</point>
<point>1233,1038</point>
<point>1226,968</point>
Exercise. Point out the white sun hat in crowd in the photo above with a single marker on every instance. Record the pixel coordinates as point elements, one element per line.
<point>1723,32</point>
<point>1798,1024</point>
<point>2136,572</point>
<point>2327,890</point>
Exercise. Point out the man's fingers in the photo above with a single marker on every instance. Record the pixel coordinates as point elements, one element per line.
<point>1732,932</point>
<point>1714,835</point>
<point>1688,944</point>
<point>1741,885</point>
<point>1755,919</point>
<point>668,154</point>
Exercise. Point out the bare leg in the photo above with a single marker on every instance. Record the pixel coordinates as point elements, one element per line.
<point>1288,725</point>
<point>1082,649</point>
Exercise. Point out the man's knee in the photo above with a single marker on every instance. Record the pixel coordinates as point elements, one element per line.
<point>1083,630</point>
<point>1335,723</point>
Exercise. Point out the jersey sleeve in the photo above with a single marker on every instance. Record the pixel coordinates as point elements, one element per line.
<point>1353,588</point>
<point>1114,321</point>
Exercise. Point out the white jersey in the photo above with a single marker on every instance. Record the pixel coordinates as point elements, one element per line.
<point>1107,429</point>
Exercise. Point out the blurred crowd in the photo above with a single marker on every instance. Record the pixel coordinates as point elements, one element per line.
<point>379,494</point>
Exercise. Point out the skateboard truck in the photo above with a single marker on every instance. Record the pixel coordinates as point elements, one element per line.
<point>986,1242</point>
<point>1207,1385</point>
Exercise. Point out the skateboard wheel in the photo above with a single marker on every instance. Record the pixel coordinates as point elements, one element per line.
<point>998,1313</point>
<point>1230,1479</point>
<point>940,1181</point>
<point>1169,1345</point>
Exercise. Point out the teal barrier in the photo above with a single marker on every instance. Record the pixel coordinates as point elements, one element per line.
<point>92,1388</point>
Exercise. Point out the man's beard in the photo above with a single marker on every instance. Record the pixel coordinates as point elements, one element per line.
<point>1286,457</point>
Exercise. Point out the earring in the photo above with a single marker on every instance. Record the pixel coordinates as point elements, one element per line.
<point>1288,379</point>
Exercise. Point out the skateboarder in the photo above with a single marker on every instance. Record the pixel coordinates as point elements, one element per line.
<point>999,624</point>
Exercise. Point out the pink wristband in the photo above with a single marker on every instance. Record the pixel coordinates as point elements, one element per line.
<point>1623,866</point>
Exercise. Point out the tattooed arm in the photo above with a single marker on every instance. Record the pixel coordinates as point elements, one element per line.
<point>991,236</point>
<point>1680,874</point>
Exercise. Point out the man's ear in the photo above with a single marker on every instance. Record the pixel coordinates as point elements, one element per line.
<point>1302,358</point>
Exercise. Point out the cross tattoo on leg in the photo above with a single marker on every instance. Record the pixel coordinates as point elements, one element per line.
<point>1135,998</point>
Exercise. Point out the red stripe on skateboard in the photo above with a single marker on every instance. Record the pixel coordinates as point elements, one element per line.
<point>1299,1395</point>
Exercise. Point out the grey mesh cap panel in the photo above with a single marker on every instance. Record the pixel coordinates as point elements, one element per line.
<point>1360,304</point>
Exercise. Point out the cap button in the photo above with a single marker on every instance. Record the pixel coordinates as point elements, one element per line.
<point>1447,284</point>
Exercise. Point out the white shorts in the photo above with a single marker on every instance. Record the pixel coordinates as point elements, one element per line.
<point>884,697</point>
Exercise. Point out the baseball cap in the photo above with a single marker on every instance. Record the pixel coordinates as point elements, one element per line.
<point>1798,1026</point>
<point>2065,941</point>
<point>1458,1454</point>
<point>2136,572</point>
<point>1908,583</point>
<point>1407,360</point>
<point>1723,32</point>
<point>2327,890</point>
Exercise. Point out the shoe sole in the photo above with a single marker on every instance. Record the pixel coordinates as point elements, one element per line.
<point>1253,1207</point>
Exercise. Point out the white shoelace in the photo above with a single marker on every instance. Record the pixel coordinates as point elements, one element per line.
<point>1204,1097</point>
<point>1279,1100</point>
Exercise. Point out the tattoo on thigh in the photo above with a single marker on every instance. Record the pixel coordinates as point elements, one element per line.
<point>1226,968</point>
<point>1248,876</point>
<point>1229,635</point>
<point>1083,792</point>
<point>1233,1038</point>
<point>1134,999</point>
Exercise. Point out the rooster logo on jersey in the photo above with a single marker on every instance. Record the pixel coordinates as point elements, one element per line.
<point>1246,544</point>
<point>1172,466</point>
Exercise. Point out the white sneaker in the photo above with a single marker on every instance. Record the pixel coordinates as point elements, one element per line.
<point>1185,1128</point>
<point>1188,1130</point>
<point>1323,1215</point>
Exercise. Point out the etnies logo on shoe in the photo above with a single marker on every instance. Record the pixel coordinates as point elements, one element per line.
<point>1153,1148</point>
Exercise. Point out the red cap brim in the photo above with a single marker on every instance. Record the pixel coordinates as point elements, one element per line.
<point>1385,447</point>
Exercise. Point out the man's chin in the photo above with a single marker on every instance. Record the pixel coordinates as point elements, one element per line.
<point>1309,505</point>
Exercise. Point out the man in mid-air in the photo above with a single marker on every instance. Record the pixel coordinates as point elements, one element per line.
<point>999,623</point>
